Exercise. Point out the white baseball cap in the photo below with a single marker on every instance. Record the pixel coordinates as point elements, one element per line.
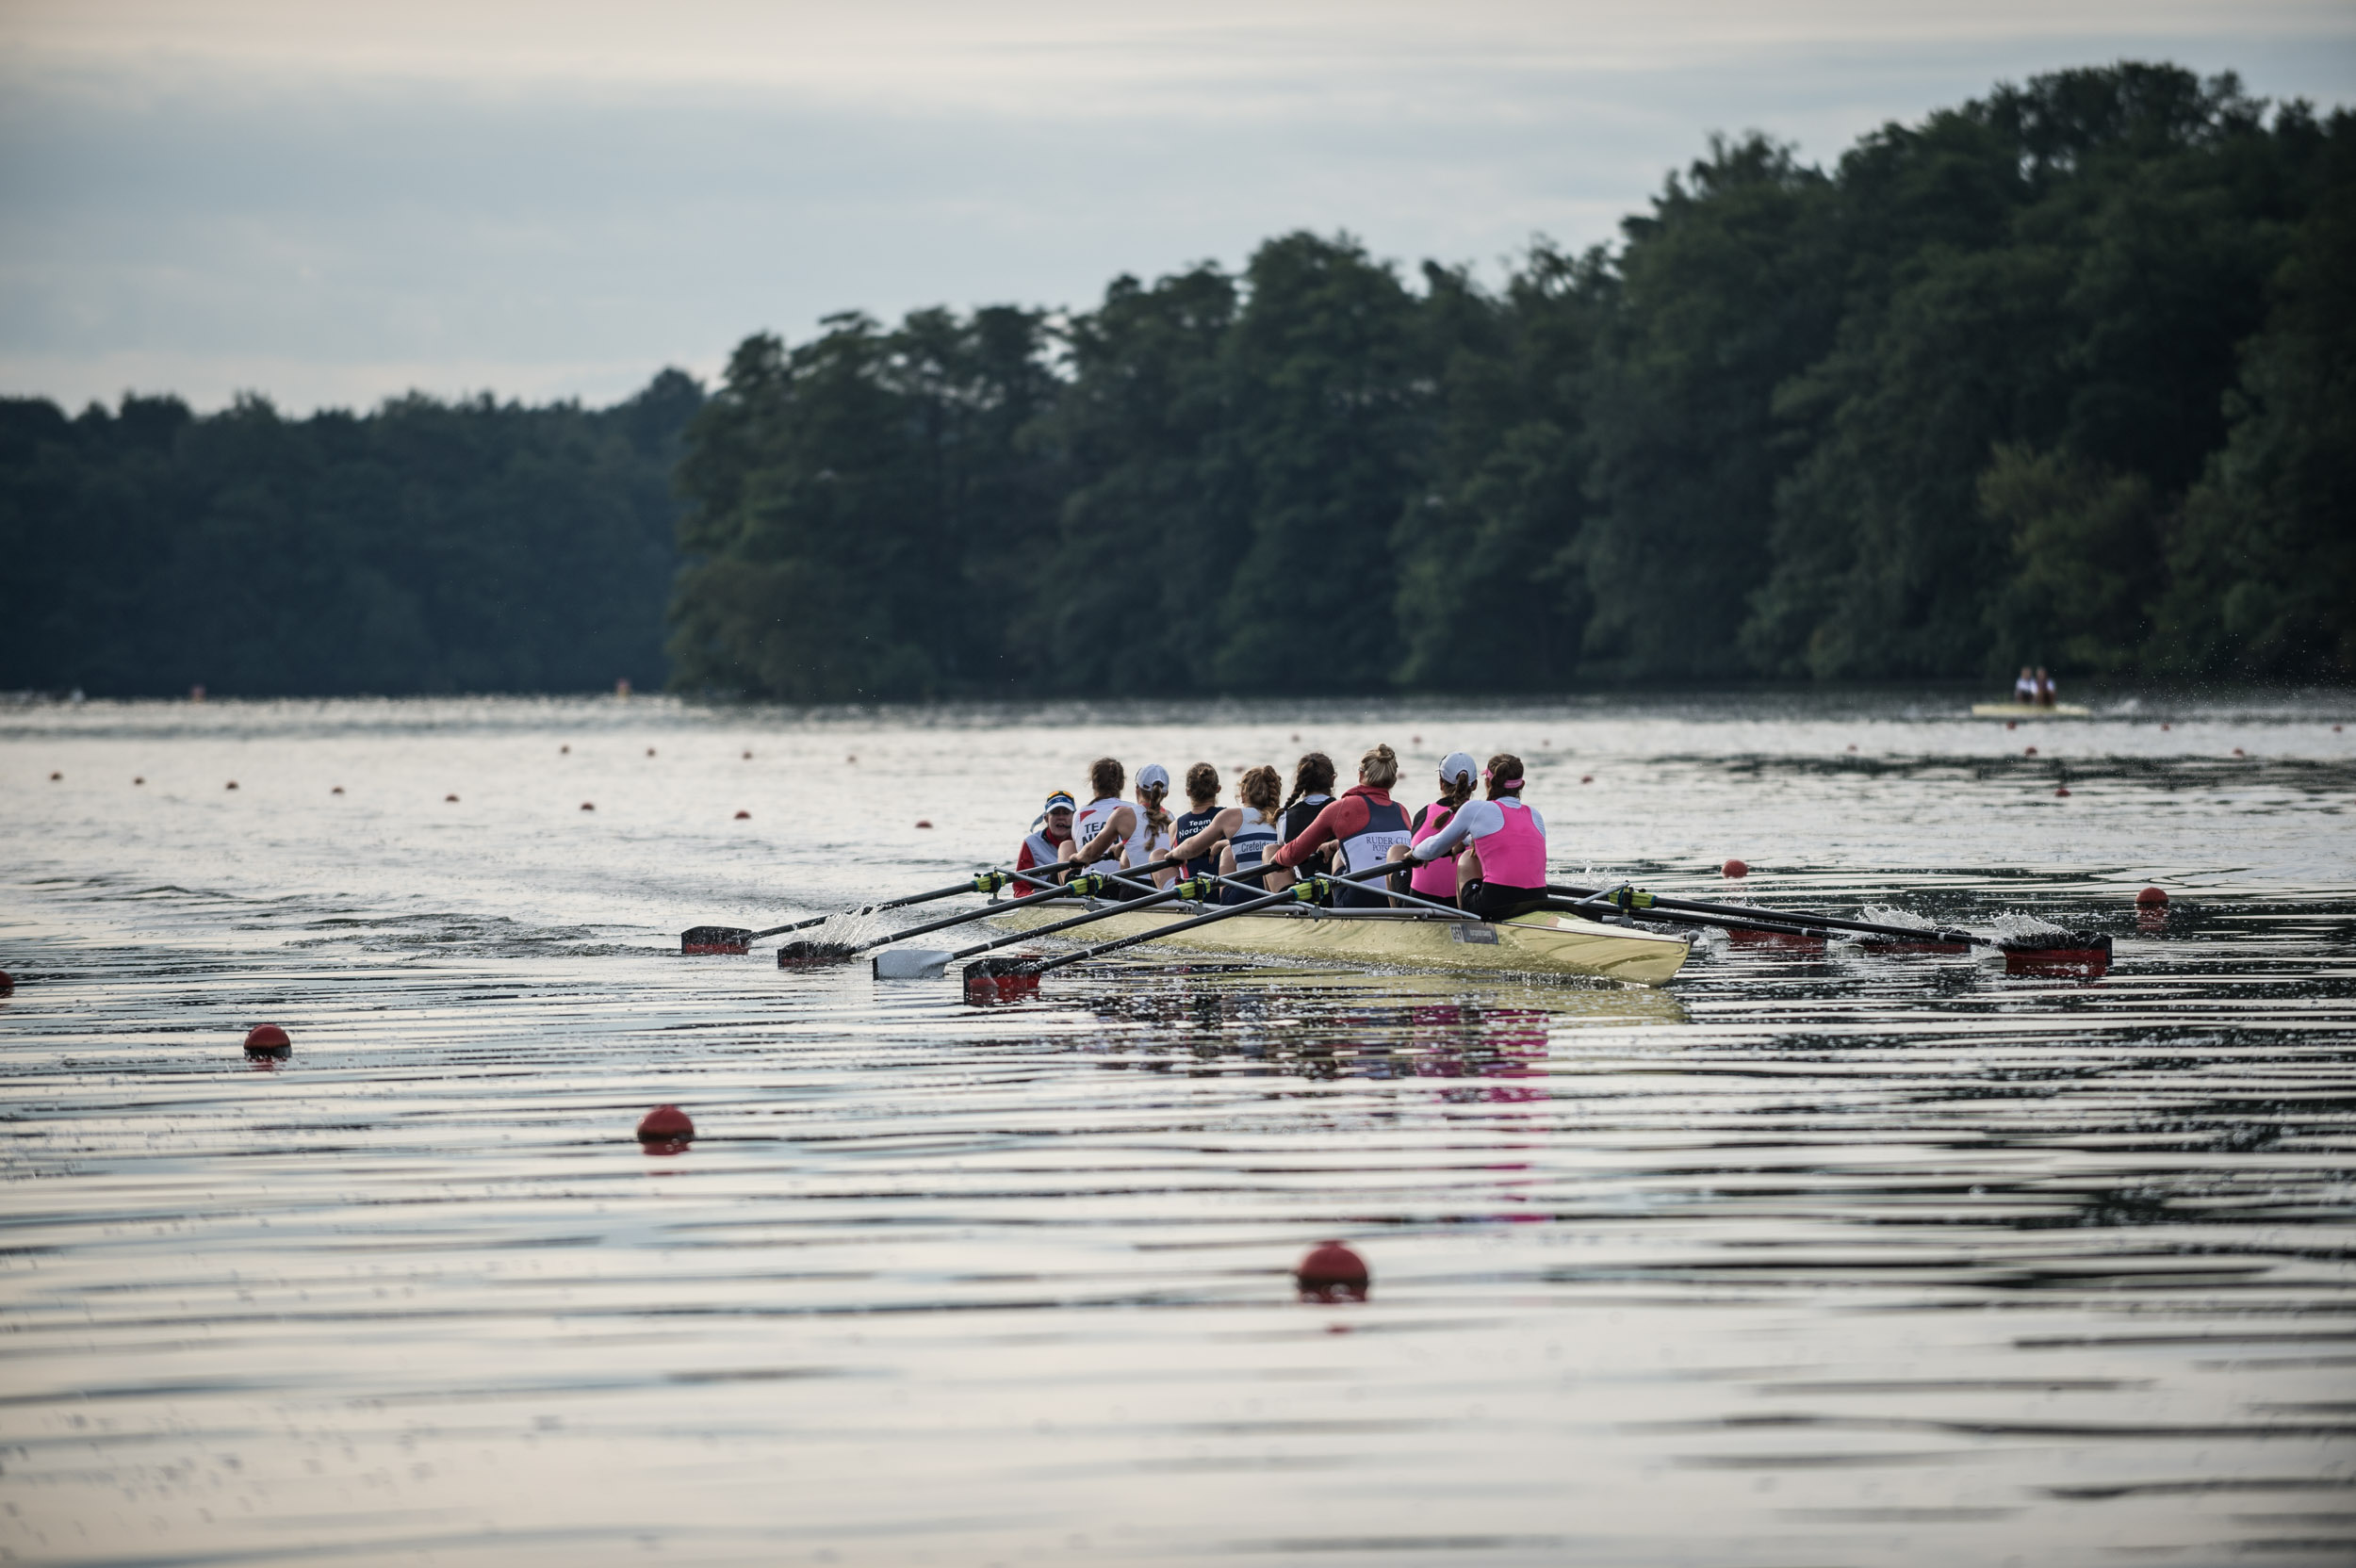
<point>1459,764</point>
<point>1153,773</point>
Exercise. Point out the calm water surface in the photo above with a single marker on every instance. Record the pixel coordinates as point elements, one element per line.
<point>1804,1259</point>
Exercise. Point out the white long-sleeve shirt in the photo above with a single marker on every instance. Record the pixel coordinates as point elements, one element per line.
<point>1474,821</point>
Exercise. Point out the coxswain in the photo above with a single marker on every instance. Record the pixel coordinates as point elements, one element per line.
<point>1043,845</point>
<point>1313,792</point>
<point>1501,869</point>
<point>1435,882</point>
<point>1365,822</point>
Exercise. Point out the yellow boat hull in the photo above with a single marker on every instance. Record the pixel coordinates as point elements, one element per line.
<point>1532,945</point>
<point>2024,711</point>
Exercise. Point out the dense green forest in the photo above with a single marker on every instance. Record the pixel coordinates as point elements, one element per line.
<point>2067,375</point>
<point>427,546</point>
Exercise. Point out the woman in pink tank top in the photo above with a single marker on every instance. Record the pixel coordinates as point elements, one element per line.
<point>1436,880</point>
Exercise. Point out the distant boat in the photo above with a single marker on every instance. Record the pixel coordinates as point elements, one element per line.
<point>2029,710</point>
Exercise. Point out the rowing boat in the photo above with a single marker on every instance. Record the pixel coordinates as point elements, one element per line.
<point>1407,939</point>
<point>2029,710</point>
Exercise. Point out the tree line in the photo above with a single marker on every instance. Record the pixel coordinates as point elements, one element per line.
<point>2066,375</point>
<point>425,547</point>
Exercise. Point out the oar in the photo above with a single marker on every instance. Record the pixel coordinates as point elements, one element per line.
<point>2086,950</point>
<point>999,979</point>
<point>735,939</point>
<point>806,955</point>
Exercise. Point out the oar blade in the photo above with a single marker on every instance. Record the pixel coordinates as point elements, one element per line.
<point>2084,954</point>
<point>911,963</point>
<point>988,981</point>
<point>699,939</point>
<point>815,955</point>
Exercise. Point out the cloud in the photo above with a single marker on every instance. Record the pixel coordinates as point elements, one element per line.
<point>559,200</point>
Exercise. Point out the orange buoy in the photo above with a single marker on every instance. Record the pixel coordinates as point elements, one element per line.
<point>922,823</point>
<point>665,1130</point>
<point>1332,1272</point>
<point>268,1039</point>
<point>2152,898</point>
<point>1734,868</point>
<point>743,816</point>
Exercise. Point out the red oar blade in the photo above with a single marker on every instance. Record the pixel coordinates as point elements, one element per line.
<point>988,981</point>
<point>2084,954</point>
<point>714,939</point>
<point>815,955</point>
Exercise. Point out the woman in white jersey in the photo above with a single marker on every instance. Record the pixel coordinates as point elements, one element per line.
<point>1109,828</point>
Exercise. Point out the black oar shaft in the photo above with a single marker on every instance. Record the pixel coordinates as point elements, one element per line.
<point>1744,913</point>
<point>986,910</point>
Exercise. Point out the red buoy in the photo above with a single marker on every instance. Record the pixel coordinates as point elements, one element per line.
<point>54,776</point>
<point>922,823</point>
<point>336,790</point>
<point>268,1039</point>
<point>449,800</point>
<point>2063,790</point>
<point>588,804</point>
<point>650,751</point>
<point>665,1130</point>
<point>1332,1272</point>
<point>2152,898</point>
<point>8,983</point>
<point>743,816</point>
<point>1734,868</point>
<point>2012,723</point>
<point>748,756</point>
<point>233,784</point>
<point>1415,740</point>
<point>1587,779</point>
<point>2238,752</point>
<point>2030,752</point>
<point>563,751</point>
<point>138,780</point>
<point>2167,726</point>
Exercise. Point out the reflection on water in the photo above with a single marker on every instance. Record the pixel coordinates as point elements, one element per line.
<point>1815,1256</point>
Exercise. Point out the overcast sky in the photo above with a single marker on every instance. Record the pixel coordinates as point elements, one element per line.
<point>331,203</point>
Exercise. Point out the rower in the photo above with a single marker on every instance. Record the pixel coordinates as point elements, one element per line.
<point>1436,881</point>
<point>1313,792</point>
<point>2045,692</point>
<point>1148,838</point>
<point>1197,822</point>
<point>1245,853</point>
<point>1105,814</point>
<point>1043,845</point>
<point>2025,688</point>
<point>1364,823</point>
<point>1502,870</point>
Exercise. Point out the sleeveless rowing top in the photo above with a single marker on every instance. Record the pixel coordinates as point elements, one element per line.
<point>1253,838</point>
<point>1144,846</point>
<point>1093,818</point>
<point>1386,825</point>
<point>1300,815</point>
<point>1185,827</point>
<point>1515,854</point>
<point>1438,879</point>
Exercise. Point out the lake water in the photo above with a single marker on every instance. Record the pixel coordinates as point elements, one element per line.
<point>1803,1259</point>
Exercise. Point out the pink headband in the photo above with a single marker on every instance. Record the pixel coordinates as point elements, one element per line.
<point>1509,784</point>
